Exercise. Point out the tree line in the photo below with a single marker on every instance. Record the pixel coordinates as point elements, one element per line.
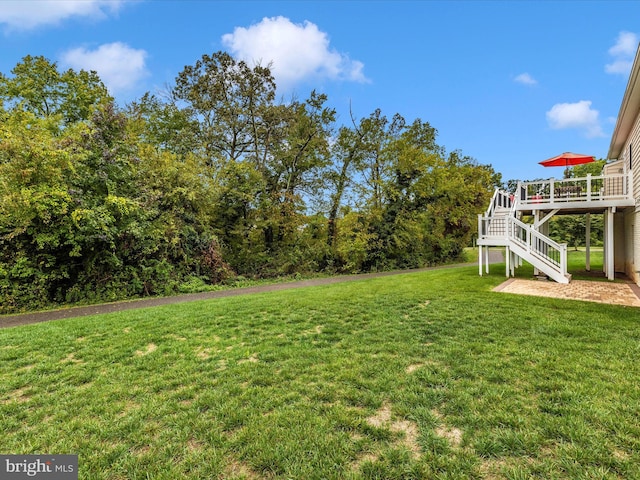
<point>214,180</point>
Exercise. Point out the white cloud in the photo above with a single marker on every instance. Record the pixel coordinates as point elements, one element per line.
<point>296,52</point>
<point>626,45</point>
<point>622,52</point>
<point>623,67</point>
<point>25,15</point>
<point>119,66</point>
<point>525,79</point>
<point>577,115</point>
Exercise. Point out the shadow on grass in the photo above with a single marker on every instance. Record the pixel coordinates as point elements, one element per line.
<point>576,266</point>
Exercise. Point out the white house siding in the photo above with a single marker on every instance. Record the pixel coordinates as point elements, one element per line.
<point>634,141</point>
<point>632,216</point>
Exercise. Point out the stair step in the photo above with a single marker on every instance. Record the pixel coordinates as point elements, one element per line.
<point>502,211</point>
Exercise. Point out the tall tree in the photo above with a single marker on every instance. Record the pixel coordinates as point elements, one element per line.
<point>164,125</point>
<point>413,161</point>
<point>36,234</point>
<point>294,170</point>
<point>228,98</point>
<point>266,159</point>
<point>37,86</point>
<point>347,159</point>
<point>593,168</point>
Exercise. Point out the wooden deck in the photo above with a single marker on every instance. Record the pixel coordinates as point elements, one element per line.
<point>576,195</point>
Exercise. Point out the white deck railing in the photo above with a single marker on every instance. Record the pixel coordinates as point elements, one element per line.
<point>526,241</point>
<point>494,227</point>
<point>500,199</point>
<point>584,189</point>
<point>545,249</point>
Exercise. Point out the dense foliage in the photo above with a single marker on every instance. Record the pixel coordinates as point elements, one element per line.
<point>99,202</point>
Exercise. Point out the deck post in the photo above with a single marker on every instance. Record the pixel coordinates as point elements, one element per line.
<point>506,259</point>
<point>480,234</point>
<point>588,242</point>
<point>604,243</point>
<point>536,221</point>
<point>611,273</point>
<point>514,259</point>
<point>486,259</point>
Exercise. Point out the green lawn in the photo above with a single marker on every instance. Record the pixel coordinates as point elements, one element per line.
<point>422,375</point>
<point>576,264</point>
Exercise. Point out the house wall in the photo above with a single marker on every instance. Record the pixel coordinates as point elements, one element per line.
<point>630,156</point>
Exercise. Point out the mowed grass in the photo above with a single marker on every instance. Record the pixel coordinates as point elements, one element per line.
<point>576,264</point>
<point>420,375</point>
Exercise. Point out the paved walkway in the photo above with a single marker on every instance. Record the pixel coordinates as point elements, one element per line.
<point>604,292</point>
<point>37,317</point>
<point>590,291</point>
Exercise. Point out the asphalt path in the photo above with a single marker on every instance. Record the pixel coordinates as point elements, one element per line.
<point>6,321</point>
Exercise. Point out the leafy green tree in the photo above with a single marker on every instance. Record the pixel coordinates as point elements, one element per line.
<point>228,99</point>
<point>347,160</point>
<point>37,86</point>
<point>379,133</point>
<point>359,165</point>
<point>104,190</point>
<point>99,203</point>
<point>143,216</point>
<point>466,189</point>
<point>238,128</point>
<point>94,209</point>
<point>420,206</point>
<point>294,170</point>
<point>593,168</point>
<point>36,235</point>
<point>572,230</point>
<point>266,160</point>
<point>164,125</point>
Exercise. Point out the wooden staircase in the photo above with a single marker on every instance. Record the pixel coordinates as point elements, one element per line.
<point>501,227</point>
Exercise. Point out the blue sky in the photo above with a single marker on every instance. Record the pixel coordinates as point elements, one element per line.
<point>507,83</point>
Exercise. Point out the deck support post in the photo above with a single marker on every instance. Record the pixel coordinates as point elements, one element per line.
<point>486,259</point>
<point>536,221</point>
<point>608,246</point>
<point>588,241</point>
<point>480,253</point>
<point>507,259</point>
<point>514,260</point>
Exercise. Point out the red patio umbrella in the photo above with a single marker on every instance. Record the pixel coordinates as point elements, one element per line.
<point>566,160</point>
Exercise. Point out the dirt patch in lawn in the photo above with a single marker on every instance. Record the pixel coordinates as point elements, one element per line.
<point>452,434</point>
<point>408,429</point>
<point>237,469</point>
<point>152,347</point>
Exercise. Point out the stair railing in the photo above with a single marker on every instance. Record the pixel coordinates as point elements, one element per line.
<point>500,198</point>
<point>524,239</point>
<point>546,250</point>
